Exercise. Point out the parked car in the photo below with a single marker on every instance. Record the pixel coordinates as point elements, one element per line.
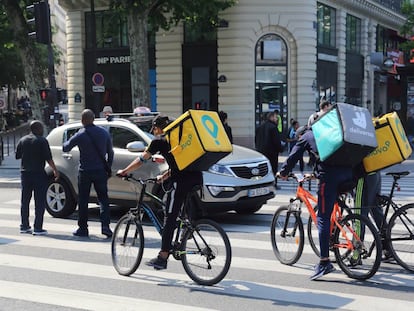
<point>242,181</point>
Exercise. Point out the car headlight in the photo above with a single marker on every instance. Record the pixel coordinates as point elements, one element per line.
<point>220,169</point>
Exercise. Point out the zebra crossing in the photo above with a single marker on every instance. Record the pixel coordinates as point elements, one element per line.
<point>59,271</point>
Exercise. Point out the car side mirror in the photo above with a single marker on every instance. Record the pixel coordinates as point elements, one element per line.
<point>136,146</point>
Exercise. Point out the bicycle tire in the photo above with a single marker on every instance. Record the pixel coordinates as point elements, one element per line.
<point>313,234</point>
<point>127,245</point>
<point>287,246</point>
<point>363,260</point>
<point>400,236</point>
<point>206,252</point>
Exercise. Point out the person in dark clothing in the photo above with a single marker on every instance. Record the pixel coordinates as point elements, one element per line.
<point>34,151</point>
<point>182,183</point>
<point>330,179</point>
<point>227,128</point>
<point>92,170</point>
<point>267,140</point>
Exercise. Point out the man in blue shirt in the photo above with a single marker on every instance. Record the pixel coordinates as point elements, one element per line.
<point>94,146</point>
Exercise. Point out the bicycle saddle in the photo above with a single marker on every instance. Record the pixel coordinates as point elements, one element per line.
<point>398,174</point>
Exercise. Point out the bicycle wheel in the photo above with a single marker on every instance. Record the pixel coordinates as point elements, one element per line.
<point>357,247</point>
<point>287,235</point>
<point>400,235</point>
<point>206,252</point>
<point>127,245</point>
<point>313,234</point>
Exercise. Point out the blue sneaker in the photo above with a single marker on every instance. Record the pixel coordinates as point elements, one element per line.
<point>322,269</point>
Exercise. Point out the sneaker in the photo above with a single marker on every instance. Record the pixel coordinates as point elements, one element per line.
<point>81,233</point>
<point>25,230</point>
<point>322,269</point>
<point>387,256</point>
<point>158,263</point>
<point>40,232</point>
<point>107,231</point>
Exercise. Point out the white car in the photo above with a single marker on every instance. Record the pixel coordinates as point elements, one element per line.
<point>242,181</point>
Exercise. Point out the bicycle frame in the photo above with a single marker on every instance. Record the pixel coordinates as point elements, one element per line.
<point>307,198</point>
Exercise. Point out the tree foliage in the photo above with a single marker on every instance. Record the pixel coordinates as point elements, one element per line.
<point>159,14</point>
<point>407,9</point>
<point>21,54</point>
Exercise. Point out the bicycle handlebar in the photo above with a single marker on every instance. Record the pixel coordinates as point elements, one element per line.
<point>298,177</point>
<point>130,177</point>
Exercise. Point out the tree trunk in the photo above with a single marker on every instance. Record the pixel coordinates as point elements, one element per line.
<point>139,63</point>
<point>28,53</point>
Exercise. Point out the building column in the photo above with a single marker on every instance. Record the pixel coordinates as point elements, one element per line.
<point>341,45</point>
<point>75,63</point>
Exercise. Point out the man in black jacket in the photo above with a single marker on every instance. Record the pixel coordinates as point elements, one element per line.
<point>267,140</point>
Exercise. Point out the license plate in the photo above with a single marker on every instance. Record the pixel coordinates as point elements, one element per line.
<point>258,191</point>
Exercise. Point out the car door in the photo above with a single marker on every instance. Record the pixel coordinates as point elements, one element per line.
<point>121,136</point>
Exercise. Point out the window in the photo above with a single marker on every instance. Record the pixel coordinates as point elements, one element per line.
<point>111,30</point>
<point>199,32</point>
<point>122,136</point>
<point>326,30</point>
<point>353,34</point>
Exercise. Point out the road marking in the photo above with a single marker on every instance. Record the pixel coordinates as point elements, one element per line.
<point>82,299</point>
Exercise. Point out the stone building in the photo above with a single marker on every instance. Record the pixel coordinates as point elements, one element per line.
<point>266,55</point>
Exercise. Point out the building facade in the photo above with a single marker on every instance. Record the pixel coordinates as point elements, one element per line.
<point>266,55</point>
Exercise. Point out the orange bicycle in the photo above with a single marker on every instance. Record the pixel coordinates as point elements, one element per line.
<point>354,239</point>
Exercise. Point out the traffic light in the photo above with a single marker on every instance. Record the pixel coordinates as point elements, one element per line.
<point>39,11</point>
<point>44,94</point>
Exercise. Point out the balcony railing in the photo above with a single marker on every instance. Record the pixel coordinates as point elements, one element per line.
<point>394,5</point>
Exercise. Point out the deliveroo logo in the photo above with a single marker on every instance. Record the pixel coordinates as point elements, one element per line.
<point>211,127</point>
<point>360,119</point>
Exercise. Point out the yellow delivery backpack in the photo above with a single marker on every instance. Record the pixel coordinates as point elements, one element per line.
<point>198,140</point>
<point>393,145</point>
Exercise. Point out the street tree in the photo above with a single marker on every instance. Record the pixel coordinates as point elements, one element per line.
<point>30,58</point>
<point>154,15</point>
<point>407,29</point>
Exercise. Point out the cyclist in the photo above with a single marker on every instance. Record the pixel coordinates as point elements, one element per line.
<point>182,183</point>
<point>330,179</point>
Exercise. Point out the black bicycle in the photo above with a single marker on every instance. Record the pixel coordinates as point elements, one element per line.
<point>202,245</point>
<point>398,233</point>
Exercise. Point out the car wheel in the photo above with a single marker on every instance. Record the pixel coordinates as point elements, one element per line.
<point>60,200</point>
<point>248,210</point>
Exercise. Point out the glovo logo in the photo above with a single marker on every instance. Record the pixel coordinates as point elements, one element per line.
<point>211,127</point>
<point>188,141</point>
<point>381,149</point>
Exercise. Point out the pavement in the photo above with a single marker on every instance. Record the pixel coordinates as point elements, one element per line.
<point>10,169</point>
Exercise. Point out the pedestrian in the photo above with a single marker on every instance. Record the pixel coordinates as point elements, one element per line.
<point>96,156</point>
<point>182,183</point>
<point>107,112</point>
<point>227,128</point>
<point>330,179</point>
<point>267,141</point>
<point>34,151</point>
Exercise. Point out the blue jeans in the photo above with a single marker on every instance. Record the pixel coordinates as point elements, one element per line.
<point>99,179</point>
<point>37,183</point>
<point>329,183</point>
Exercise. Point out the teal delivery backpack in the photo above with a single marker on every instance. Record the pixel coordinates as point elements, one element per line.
<point>344,135</point>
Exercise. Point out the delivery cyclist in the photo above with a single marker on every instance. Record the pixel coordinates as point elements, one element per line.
<point>182,183</point>
<point>330,179</point>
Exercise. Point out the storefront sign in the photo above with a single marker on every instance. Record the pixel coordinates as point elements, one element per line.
<point>105,60</point>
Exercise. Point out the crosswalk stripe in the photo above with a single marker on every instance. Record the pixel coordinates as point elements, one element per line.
<point>82,299</point>
<point>287,293</point>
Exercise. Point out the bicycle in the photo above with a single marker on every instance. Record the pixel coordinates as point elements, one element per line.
<point>202,246</point>
<point>359,259</point>
<point>398,234</point>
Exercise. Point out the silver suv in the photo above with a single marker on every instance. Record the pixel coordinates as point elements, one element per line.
<point>242,181</point>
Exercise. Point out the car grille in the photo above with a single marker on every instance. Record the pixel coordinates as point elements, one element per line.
<point>246,171</point>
